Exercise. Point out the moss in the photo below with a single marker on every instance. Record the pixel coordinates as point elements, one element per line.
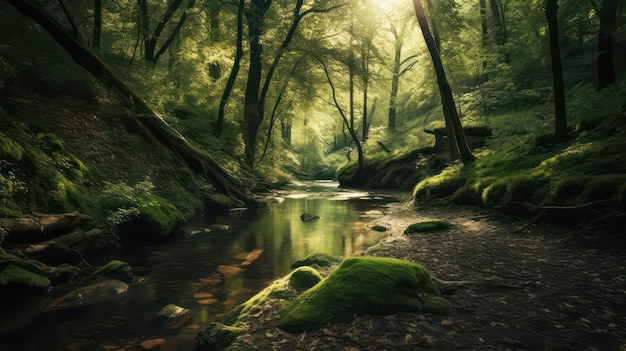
<point>111,266</point>
<point>318,260</point>
<point>12,274</point>
<point>427,226</point>
<point>10,148</point>
<point>221,333</point>
<point>161,215</point>
<point>218,336</point>
<point>372,285</point>
<point>304,278</point>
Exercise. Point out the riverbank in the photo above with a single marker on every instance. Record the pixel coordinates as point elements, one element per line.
<point>511,286</point>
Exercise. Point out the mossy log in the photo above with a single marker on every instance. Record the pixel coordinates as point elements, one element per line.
<point>39,227</point>
<point>196,159</point>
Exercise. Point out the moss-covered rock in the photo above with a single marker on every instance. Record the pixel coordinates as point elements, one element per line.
<point>318,260</point>
<point>360,285</point>
<point>14,275</point>
<point>304,278</point>
<point>222,332</point>
<point>116,269</point>
<point>427,226</point>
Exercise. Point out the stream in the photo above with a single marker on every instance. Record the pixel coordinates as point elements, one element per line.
<point>221,262</point>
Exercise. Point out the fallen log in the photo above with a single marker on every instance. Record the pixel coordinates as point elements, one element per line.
<point>38,227</point>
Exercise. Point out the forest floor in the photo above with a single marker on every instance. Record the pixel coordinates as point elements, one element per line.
<point>519,286</point>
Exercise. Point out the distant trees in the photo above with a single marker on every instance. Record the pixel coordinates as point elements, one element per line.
<point>254,102</point>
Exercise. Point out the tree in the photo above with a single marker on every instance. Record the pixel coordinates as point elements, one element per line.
<point>254,101</point>
<point>351,130</point>
<point>606,68</point>
<point>453,122</point>
<point>97,23</point>
<point>219,124</point>
<point>151,53</point>
<point>196,159</point>
<point>552,7</point>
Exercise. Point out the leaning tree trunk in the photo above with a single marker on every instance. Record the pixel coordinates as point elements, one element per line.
<point>557,72</point>
<point>444,87</point>
<point>195,159</point>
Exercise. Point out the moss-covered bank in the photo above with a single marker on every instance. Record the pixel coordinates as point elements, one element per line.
<point>68,143</point>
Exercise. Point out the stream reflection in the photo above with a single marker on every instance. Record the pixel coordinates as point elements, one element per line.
<point>214,270</point>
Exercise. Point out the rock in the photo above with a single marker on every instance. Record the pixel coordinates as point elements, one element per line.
<point>304,278</point>
<point>378,228</point>
<point>90,294</point>
<point>202,295</point>
<point>228,271</point>
<point>171,311</point>
<point>318,260</point>
<point>116,269</point>
<point>218,227</point>
<point>307,217</point>
<point>173,316</point>
<point>152,343</point>
<point>363,285</point>
<point>252,256</point>
<point>427,226</point>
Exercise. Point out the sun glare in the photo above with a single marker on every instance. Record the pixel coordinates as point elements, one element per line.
<point>386,5</point>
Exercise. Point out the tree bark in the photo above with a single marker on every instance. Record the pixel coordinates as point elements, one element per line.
<point>557,72</point>
<point>606,67</point>
<point>253,114</point>
<point>395,79</point>
<point>219,124</point>
<point>97,23</point>
<point>444,86</point>
<point>194,158</point>
<point>151,44</point>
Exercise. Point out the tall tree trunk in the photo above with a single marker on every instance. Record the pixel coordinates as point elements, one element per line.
<point>446,91</point>
<point>395,79</point>
<point>606,68</point>
<point>365,119</point>
<point>219,124</point>
<point>351,90</point>
<point>557,72</point>
<point>498,27</point>
<point>252,111</point>
<point>97,23</point>
<point>194,158</point>
<point>484,24</point>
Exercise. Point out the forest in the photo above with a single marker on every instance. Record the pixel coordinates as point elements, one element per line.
<point>129,127</point>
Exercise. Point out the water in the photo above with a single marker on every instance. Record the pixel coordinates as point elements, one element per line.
<point>211,271</point>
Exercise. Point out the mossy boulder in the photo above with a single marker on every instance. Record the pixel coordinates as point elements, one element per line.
<point>428,226</point>
<point>221,333</point>
<point>304,278</point>
<point>320,260</point>
<point>360,285</point>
